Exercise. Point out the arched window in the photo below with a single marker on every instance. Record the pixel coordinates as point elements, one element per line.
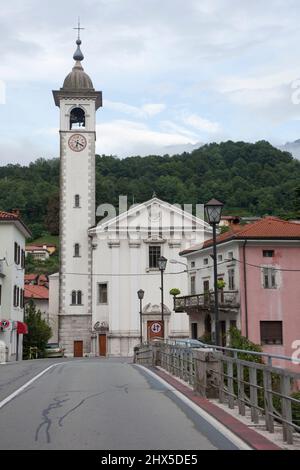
<point>74,297</point>
<point>77,200</point>
<point>79,297</point>
<point>77,118</point>
<point>76,250</point>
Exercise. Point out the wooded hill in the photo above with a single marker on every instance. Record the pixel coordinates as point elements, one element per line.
<point>251,179</point>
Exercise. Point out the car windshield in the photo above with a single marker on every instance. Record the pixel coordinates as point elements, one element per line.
<point>53,346</point>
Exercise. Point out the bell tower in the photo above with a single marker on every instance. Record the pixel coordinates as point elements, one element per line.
<point>78,102</point>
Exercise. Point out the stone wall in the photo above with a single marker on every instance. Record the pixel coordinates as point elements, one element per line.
<point>75,328</point>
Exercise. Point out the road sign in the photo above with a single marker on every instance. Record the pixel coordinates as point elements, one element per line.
<point>4,324</point>
<point>156,328</point>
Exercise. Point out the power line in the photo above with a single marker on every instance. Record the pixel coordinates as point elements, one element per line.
<point>268,266</point>
<point>122,274</point>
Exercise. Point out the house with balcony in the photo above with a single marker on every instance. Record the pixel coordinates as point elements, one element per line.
<point>259,272</point>
<point>13,233</point>
<point>40,252</point>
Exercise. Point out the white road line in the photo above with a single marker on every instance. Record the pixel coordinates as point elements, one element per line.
<point>214,422</point>
<point>19,390</point>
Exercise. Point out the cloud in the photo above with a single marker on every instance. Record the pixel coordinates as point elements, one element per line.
<point>144,111</point>
<point>202,124</point>
<point>176,73</point>
<point>126,138</point>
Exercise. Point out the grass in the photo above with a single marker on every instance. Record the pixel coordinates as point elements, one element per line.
<point>47,239</point>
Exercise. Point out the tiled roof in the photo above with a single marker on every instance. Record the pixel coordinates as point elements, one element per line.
<point>8,216</point>
<point>36,248</point>
<point>266,228</point>
<point>36,292</point>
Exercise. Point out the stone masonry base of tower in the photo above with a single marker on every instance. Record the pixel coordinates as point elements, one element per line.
<point>75,328</point>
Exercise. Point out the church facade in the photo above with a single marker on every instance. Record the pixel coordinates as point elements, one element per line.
<point>102,267</point>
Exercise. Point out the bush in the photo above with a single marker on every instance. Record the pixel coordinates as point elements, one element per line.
<point>175,291</point>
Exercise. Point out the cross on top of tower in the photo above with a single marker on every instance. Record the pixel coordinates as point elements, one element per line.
<point>78,56</point>
<point>79,29</point>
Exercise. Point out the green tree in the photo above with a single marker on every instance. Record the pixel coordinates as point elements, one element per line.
<point>52,215</point>
<point>39,332</point>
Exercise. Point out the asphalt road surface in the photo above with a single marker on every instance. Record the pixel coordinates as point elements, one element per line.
<point>103,404</point>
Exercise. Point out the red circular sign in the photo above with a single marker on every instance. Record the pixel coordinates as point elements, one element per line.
<point>4,324</point>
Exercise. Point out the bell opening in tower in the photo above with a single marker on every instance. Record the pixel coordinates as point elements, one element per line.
<point>77,119</point>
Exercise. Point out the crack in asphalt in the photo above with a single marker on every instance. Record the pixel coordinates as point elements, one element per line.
<point>57,403</point>
<point>77,406</point>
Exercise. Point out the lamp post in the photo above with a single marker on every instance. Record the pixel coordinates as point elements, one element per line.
<point>162,263</point>
<point>213,210</point>
<point>141,296</point>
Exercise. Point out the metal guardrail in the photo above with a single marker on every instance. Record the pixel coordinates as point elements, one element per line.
<point>266,390</point>
<point>235,352</point>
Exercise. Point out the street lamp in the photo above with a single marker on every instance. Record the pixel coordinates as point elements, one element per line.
<point>174,261</point>
<point>162,263</point>
<point>213,210</point>
<point>141,296</point>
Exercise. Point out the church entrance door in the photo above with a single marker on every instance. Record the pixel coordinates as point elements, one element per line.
<point>78,348</point>
<point>102,345</point>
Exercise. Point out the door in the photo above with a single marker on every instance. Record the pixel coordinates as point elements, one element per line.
<point>78,348</point>
<point>223,333</point>
<point>155,330</point>
<point>206,292</point>
<point>102,345</point>
<point>194,330</point>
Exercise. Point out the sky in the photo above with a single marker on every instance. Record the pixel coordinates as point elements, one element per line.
<point>174,73</point>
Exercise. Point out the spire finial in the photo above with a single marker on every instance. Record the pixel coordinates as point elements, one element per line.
<point>78,54</point>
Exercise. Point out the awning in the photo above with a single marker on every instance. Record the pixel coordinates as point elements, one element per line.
<point>22,328</point>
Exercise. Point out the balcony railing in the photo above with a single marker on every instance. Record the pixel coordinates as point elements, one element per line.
<point>206,301</point>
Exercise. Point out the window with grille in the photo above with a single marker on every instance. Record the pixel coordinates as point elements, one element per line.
<point>231,283</point>
<point>76,250</point>
<point>154,255</point>
<point>16,253</point>
<point>77,200</point>
<point>271,332</point>
<point>193,285</point>
<point>76,297</point>
<point>102,293</point>
<point>268,253</point>
<point>269,278</point>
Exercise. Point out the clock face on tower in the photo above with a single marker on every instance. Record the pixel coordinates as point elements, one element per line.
<point>77,142</point>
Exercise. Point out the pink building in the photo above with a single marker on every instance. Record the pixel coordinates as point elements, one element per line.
<point>260,266</point>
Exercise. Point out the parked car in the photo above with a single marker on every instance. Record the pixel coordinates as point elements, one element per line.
<point>54,350</point>
<point>188,343</point>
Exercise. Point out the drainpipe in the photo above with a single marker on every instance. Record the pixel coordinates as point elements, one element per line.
<point>245,286</point>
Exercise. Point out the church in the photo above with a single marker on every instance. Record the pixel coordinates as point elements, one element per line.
<point>102,267</point>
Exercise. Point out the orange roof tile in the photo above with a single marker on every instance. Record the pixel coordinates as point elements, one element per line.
<point>266,228</point>
<point>36,292</point>
<point>8,216</point>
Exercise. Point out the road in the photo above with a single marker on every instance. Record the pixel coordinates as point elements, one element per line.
<point>103,404</point>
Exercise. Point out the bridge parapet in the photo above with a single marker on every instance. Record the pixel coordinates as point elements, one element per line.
<point>240,379</point>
